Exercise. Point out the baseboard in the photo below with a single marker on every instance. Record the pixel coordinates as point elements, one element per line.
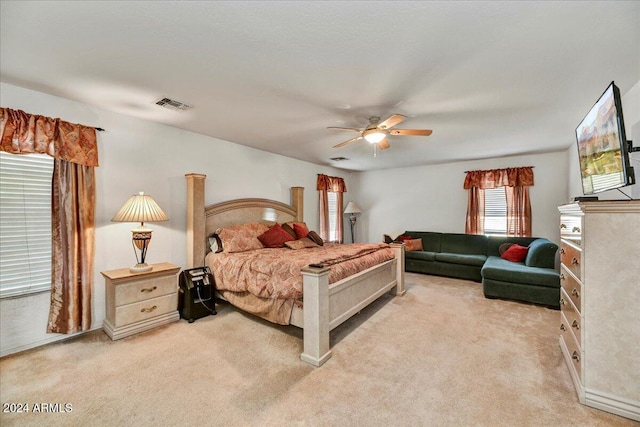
<point>50,340</point>
<point>614,404</point>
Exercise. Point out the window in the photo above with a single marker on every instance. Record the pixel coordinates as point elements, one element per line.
<point>333,216</point>
<point>25,223</point>
<point>495,211</point>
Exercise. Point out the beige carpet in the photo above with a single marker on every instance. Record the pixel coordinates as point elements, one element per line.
<point>442,355</point>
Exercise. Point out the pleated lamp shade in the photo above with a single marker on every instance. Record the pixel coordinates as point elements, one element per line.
<point>140,208</point>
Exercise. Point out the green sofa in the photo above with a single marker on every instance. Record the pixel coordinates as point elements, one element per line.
<point>477,257</point>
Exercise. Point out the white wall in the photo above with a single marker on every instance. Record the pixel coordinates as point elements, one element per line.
<point>138,155</point>
<point>431,198</point>
<point>631,112</point>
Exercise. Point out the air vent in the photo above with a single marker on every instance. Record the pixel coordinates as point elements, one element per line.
<point>338,159</point>
<point>172,104</point>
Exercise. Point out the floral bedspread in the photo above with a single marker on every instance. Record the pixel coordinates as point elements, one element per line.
<point>275,273</point>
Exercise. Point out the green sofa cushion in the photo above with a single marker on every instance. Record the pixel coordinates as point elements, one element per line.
<point>464,259</point>
<point>500,269</point>
<point>542,253</point>
<point>421,255</point>
<point>468,244</point>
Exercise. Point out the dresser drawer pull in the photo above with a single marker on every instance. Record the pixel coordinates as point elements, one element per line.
<point>148,310</point>
<point>148,289</point>
<point>575,324</point>
<point>575,293</point>
<point>563,225</point>
<point>561,276</point>
<point>576,229</point>
<point>575,356</point>
<point>562,251</point>
<point>562,328</point>
<point>562,301</point>
<point>575,261</point>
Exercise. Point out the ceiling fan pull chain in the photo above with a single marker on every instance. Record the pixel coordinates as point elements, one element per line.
<point>375,152</point>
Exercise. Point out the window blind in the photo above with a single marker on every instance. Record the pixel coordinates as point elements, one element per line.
<point>25,223</point>
<point>495,211</point>
<point>333,215</point>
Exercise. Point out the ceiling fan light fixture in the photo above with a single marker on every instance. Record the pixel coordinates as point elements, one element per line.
<point>373,136</point>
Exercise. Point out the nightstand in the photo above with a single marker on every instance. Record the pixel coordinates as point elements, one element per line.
<point>136,302</point>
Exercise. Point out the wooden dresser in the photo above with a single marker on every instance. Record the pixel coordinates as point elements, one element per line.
<point>136,302</point>
<point>600,303</point>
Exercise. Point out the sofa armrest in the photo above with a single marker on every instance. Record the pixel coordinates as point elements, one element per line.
<point>542,253</point>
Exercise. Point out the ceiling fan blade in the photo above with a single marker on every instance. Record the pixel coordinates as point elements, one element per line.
<point>392,121</point>
<point>384,144</point>
<point>342,144</point>
<point>347,129</point>
<point>415,132</point>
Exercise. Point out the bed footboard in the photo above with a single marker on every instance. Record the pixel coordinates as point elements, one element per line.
<point>327,306</point>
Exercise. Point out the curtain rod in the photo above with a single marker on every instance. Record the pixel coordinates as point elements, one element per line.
<point>532,167</point>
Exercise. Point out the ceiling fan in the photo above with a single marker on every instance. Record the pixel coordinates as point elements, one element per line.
<point>376,132</point>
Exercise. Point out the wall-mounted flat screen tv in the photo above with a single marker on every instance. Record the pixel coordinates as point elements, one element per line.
<point>602,145</point>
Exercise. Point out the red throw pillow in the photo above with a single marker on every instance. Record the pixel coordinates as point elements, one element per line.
<point>515,253</point>
<point>275,237</point>
<point>300,229</point>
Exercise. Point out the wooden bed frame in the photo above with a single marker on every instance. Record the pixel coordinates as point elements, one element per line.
<point>325,306</point>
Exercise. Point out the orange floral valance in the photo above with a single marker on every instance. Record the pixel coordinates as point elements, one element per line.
<point>509,177</point>
<point>332,184</point>
<point>24,133</point>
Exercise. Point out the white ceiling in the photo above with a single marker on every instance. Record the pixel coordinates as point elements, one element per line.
<point>491,79</point>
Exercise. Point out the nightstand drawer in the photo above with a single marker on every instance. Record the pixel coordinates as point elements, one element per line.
<point>141,290</point>
<point>139,311</point>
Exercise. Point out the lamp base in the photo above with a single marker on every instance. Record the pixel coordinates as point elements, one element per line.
<point>140,268</point>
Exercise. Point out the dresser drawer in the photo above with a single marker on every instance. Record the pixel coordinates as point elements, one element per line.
<point>139,311</point>
<point>145,289</point>
<point>571,257</point>
<point>572,287</point>
<point>574,321</point>
<point>574,352</point>
<point>571,228</point>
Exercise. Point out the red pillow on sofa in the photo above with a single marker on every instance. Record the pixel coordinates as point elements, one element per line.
<point>275,237</point>
<point>515,253</point>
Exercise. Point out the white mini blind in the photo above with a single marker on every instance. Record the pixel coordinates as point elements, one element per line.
<point>495,211</point>
<point>25,223</point>
<point>333,215</point>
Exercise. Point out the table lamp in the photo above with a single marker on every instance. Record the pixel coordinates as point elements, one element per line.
<point>140,208</point>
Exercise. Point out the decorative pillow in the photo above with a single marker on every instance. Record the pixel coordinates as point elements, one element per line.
<point>289,229</point>
<point>275,237</point>
<point>403,238</point>
<point>242,237</point>
<point>305,242</point>
<point>214,243</point>
<point>413,244</point>
<point>515,253</point>
<point>301,229</point>
<point>315,238</point>
<point>503,247</point>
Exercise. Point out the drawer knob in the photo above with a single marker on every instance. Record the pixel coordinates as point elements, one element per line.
<point>562,301</point>
<point>575,293</point>
<point>575,261</point>
<point>562,251</point>
<point>575,356</point>
<point>562,328</point>
<point>575,324</point>
<point>563,225</point>
<point>148,289</point>
<point>148,310</point>
<point>576,229</point>
<point>561,276</point>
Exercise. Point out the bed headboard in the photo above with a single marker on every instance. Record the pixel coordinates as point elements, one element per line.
<point>202,220</point>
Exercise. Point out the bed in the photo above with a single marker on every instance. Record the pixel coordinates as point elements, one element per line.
<point>324,305</point>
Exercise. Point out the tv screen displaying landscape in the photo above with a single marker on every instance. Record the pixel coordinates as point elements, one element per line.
<point>599,146</point>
